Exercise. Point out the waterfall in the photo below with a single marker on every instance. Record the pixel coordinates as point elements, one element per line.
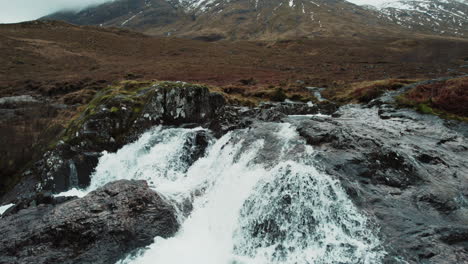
<point>254,196</point>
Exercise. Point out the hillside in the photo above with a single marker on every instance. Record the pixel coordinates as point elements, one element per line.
<point>244,19</point>
<point>56,51</point>
<point>275,19</point>
<point>443,17</point>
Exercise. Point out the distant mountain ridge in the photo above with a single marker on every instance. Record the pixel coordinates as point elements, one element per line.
<point>445,17</point>
<point>268,19</point>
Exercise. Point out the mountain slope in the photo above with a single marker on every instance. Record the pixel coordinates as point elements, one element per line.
<point>122,13</point>
<point>266,19</point>
<point>444,17</point>
<point>240,19</point>
<point>276,19</point>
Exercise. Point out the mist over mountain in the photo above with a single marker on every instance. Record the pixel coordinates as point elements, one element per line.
<point>24,10</point>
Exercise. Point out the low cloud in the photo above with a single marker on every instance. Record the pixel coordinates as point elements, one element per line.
<point>12,11</point>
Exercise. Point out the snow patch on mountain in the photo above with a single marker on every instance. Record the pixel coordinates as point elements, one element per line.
<point>439,16</point>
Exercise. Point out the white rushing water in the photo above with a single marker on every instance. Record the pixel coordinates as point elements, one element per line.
<point>3,208</point>
<point>256,195</point>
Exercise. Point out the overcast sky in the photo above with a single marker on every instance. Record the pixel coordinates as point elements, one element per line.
<point>12,11</point>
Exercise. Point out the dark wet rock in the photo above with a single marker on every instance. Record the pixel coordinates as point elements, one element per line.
<point>276,111</point>
<point>102,227</point>
<point>65,167</point>
<point>390,168</point>
<point>233,117</point>
<point>443,200</point>
<point>34,200</point>
<point>406,171</point>
<point>27,124</point>
<point>318,135</point>
<point>112,120</point>
<point>426,158</point>
<point>196,147</point>
<point>180,103</point>
<point>230,118</point>
<point>327,108</point>
<point>454,235</point>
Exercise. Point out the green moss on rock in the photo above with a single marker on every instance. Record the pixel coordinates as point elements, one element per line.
<point>130,95</point>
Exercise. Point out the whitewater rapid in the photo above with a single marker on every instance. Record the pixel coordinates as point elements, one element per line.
<point>254,197</point>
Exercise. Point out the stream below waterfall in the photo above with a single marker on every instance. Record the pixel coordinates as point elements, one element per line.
<point>254,196</point>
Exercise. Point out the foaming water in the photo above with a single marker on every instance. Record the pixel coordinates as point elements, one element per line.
<point>4,208</point>
<point>299,215</point>
<point>255,197</point>
<point>160,156</point>
<point>73,192</point>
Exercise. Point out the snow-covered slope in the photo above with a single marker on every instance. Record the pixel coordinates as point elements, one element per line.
<point>278,19</point>
<point>236,19</point>
<point>445,17</point>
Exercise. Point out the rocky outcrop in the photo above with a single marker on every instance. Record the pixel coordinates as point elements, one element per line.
<point>116,116</point>
<point>101,227</point>
<point>232,117</point>
<point>27,124</point>
<point>180,104</point>
<point>407,171</point>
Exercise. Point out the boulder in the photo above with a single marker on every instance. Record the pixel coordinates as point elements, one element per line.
<point>102,227</point>
<point>178,103</point>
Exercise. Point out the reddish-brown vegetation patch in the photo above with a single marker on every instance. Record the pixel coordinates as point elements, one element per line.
<point>364,92</point>
<point>56,56</point>
<point>450,96</point>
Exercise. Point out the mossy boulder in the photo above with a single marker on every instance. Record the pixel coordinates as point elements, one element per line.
<point>116,116</point>
<point>109,115</point>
